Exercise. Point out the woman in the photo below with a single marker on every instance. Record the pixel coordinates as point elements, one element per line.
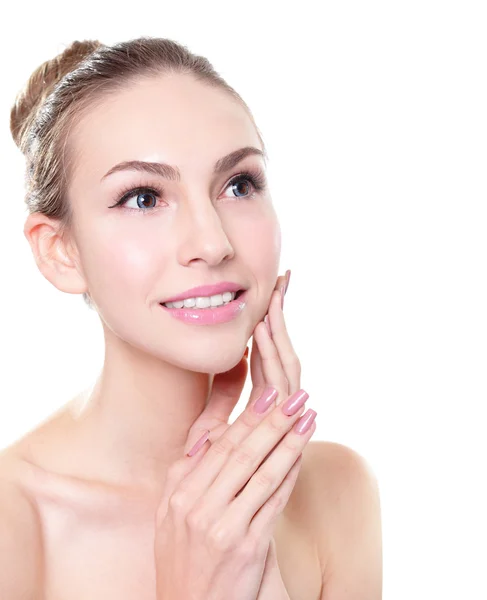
<point>147,194</point>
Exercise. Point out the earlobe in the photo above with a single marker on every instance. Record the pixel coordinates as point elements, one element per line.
<point>51,254</point>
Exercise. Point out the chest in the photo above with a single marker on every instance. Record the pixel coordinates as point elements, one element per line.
<point>110,558</point>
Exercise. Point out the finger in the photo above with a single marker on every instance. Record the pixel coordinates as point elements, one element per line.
<point>271,363</point>
<point>265,519</point>
<point>175,474</point>
<point>224,395</point>
<point>280,336</point>
<point>231,461</point>
<point>256,373</point>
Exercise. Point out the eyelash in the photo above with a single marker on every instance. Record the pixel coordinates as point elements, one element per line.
<point>256,178</point>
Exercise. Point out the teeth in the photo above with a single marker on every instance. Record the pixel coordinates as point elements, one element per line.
<point>203,301</point>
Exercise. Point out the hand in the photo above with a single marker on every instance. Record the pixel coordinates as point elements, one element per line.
<point>227,387</point>
<point>216,509</point>
<point>226,390</point>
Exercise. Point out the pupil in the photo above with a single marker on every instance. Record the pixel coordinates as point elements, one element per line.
<point>144,196</point>
<point>240,183</point>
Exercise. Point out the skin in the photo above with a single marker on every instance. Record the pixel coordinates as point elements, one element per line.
<point>104,456</point>
<point>157,371</point>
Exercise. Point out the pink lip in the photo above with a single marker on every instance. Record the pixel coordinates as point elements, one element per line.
<point>209,316</point>
<point>207,290</point>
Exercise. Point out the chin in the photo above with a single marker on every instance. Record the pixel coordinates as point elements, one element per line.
<point>211,363</point>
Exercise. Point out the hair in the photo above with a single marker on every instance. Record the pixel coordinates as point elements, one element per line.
<point>63,89</point>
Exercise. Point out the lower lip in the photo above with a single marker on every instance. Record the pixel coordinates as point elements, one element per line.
<point>210,316</point>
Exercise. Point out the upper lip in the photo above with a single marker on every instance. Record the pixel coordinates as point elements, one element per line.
<point>207,290</point>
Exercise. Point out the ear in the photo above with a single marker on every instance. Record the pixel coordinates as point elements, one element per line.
<point>54,254</point>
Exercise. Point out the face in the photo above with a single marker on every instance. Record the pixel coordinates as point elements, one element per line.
<point>174,235</point>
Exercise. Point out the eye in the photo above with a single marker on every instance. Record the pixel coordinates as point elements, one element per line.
<point>145,198</point>
<point>240,183</point>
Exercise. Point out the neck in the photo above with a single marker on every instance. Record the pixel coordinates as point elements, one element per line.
<point>135,421</point>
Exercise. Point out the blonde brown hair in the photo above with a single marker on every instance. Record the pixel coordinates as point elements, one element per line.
<point>61,90</point>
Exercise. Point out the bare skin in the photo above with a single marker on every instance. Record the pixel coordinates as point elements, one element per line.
<point>90,477</point>
<point>97,541</point>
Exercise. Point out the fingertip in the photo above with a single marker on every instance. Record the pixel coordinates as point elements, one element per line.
<point>199,444</point>
<point>268,325</point>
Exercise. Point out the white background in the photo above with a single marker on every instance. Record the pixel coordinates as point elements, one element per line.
<point>374,117</point>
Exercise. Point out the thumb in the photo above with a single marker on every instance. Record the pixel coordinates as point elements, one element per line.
<point>224,396</point>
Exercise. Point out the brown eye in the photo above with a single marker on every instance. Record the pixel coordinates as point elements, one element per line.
<point>147,197</point>
<point>246,185</point>
<point>241,186</point>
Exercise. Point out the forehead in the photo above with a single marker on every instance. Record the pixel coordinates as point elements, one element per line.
<point>172,119</point>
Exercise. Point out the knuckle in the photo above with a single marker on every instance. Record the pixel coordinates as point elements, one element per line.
<point>198,520</point>
<point>223,445</point>
<point>276,502</point>
<point>220,538</point>
<point>248,549</point>
<point>249,417</point>
<point>275,423</point>
<point>178,502</point>
<point>244,457</point>
<point>293,444</point>
<point>265,479</point>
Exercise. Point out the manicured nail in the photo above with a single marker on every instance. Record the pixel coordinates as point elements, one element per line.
<point>294,402</point>
<point>199,443</point>
<point>288,277</point>
<point>284,287</point>
<point>268,325</point>
<point>246,353</point>
<point>266,400</point>
<point>305,422</point>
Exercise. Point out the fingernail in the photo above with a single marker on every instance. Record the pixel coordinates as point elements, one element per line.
<point>267,398</point>
<point>246,353</point>
<point>305,422</point>
<point>284,287</point>
<point>294,402</point>
<point>268,325</point>
<point>199,443</point>
<point>288,275</point>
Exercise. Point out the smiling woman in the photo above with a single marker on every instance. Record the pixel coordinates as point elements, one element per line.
<point>145,128</point>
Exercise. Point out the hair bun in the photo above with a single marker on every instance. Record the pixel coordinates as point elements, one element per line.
<point>42,82</point>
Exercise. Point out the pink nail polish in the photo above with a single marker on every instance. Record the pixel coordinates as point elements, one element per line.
<point>268,325</point>
<point>294,402</point>
<point>305,422</point>
<point>288,274</point>
<point>199,443</point>
<point>266,400</point>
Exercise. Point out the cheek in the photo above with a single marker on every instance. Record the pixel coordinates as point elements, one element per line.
<point>119,264</point>
<point>263,243</point>
<point>122,270</point>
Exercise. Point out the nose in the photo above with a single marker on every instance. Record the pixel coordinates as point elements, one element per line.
<point>202,235</point>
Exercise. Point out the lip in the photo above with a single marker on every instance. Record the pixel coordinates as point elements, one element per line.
<point>207,290</point>
<point>209,316</point>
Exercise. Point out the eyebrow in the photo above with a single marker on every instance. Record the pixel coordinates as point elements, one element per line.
<point>172,173</point>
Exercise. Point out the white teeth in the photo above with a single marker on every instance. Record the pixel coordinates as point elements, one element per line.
<point>203,301</point>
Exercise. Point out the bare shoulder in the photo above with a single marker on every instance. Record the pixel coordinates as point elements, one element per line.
<point>345,510</point>
<point>21,555</point>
